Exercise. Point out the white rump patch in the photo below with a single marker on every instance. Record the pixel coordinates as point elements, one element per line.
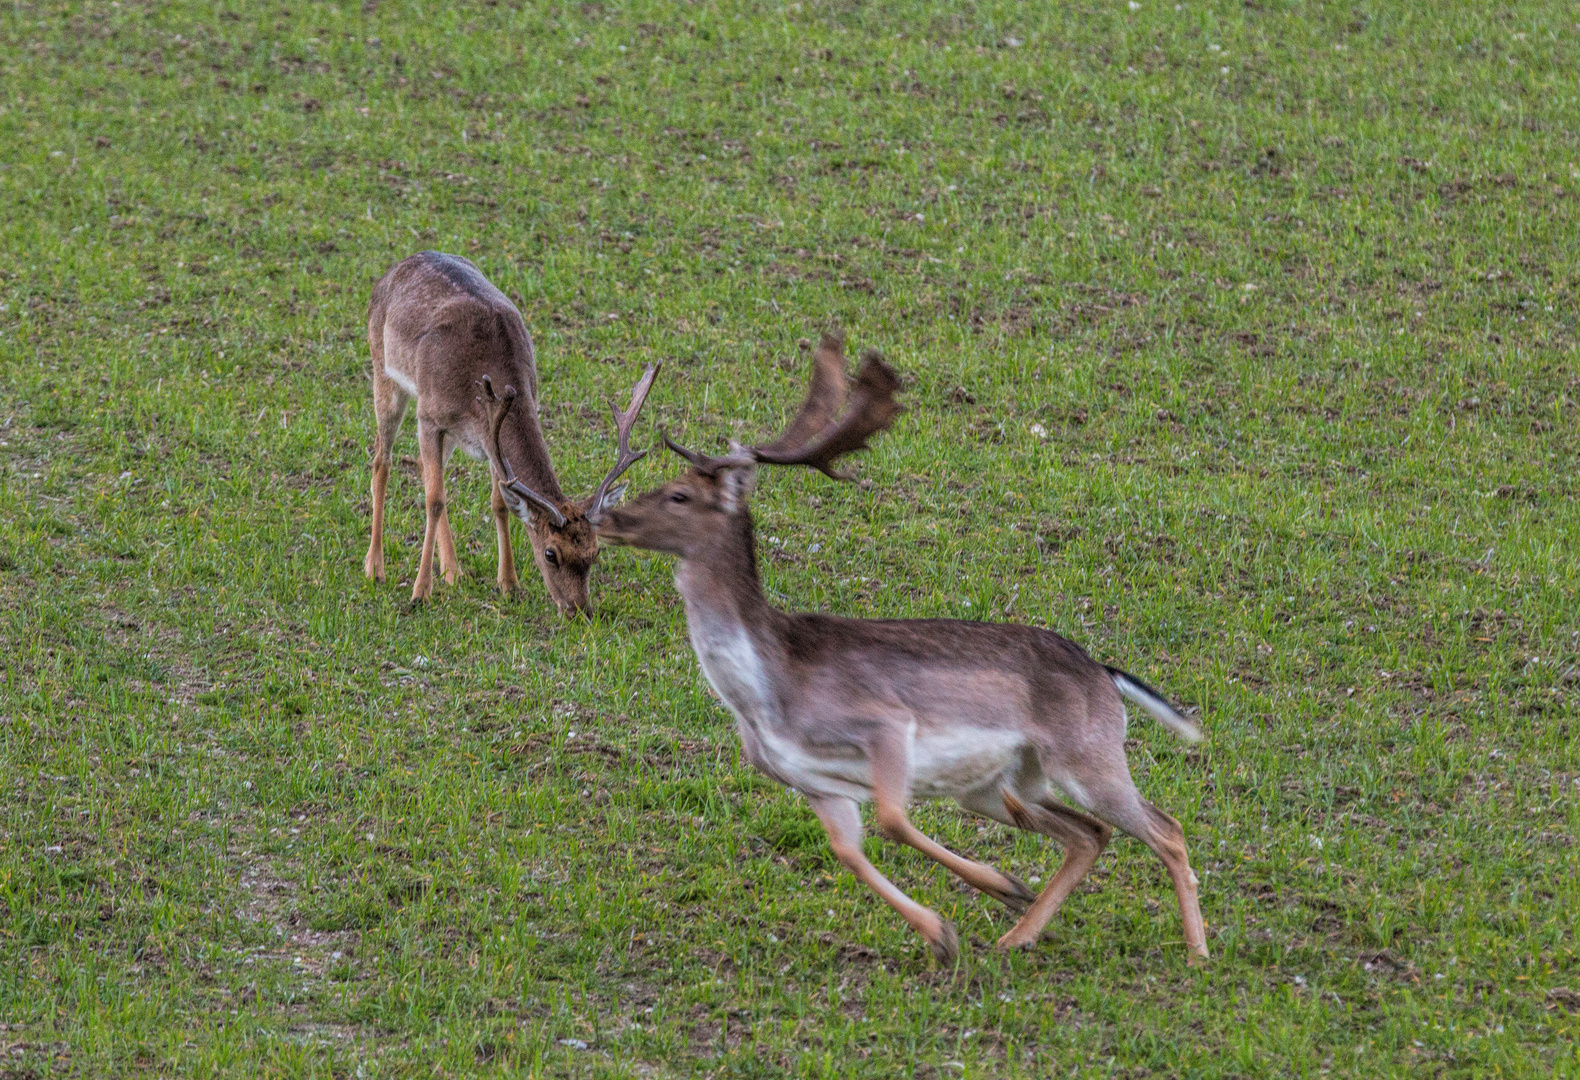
<point>401,379</point>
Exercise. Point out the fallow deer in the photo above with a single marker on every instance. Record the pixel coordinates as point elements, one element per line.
<point>1000,717</point>
<point>439,331</point>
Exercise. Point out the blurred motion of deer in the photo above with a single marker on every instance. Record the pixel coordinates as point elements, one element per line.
<point>1011,721</point>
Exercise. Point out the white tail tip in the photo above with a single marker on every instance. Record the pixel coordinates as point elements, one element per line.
<point>1156,707</point>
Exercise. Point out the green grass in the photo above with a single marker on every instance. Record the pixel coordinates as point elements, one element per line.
<point>1240,346</point>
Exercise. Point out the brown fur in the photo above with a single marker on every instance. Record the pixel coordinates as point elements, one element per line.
<point>1002,718</point>
<point>436,324</point>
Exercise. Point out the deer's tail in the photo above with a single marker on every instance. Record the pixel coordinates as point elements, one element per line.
<point>1155,705</point>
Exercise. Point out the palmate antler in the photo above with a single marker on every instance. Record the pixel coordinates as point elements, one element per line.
<point>815,437</point>
<point>498,409</point>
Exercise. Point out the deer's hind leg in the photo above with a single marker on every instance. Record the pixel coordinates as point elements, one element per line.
<point>1083,839</point>
<point>1113,797</point>
<point>1166,837</point>
<point>389,409</point>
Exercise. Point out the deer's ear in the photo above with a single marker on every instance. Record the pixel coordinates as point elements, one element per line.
<point>736,485</point>
<point>610,500</point>
<point>528,511</point>
<point>515,503</point>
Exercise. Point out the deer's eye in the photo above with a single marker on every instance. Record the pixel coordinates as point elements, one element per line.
<point>552,556</point>
<point>679,497</point>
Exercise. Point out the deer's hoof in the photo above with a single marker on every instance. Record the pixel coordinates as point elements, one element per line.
<point>946,946</point>
<point>373,569</point>
<point>1018,939</point>
<point>1017,898</point>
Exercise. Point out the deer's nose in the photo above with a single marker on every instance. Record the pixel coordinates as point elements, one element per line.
<point>572,609</point>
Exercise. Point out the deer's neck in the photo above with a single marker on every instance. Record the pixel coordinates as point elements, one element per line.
<point>734,631</point>
<point>735,637</point>
<point>521,442</point>
<point>719,583</point>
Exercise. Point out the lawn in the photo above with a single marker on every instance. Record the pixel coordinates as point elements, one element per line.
<point>1239,343</point>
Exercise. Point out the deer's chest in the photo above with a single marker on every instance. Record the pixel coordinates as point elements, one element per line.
<point>735,669</point>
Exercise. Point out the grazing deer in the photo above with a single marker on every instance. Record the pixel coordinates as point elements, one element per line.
<point>999,717</point>
<point>438,330</point>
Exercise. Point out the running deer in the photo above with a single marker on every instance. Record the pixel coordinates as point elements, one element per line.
<point>1002,718</point>
<point>441,332</point>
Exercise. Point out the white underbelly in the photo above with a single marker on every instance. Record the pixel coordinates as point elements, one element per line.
<point>960,760</point>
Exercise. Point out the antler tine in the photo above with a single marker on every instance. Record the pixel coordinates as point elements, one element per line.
<point>624,422</point>
<point>707,463</point>
<point>702,462</point>
<point>499,408</point>
<point>870,408</point>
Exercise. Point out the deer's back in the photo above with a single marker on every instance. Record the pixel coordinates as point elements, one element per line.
<point>436,323</point>
<point>818,640</point>
<point>952,672</point>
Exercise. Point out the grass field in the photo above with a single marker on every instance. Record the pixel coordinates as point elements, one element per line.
<point>1240,346</point>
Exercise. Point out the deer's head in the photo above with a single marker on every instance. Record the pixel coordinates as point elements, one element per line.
<point>685,516</point>
<point>564,540</point>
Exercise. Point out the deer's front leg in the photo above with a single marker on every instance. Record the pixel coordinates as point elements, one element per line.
<point>889,755</point>
<point>449,566</point>
<point>430,445</point>
<point>507,558</point>
<point>842,819</point>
